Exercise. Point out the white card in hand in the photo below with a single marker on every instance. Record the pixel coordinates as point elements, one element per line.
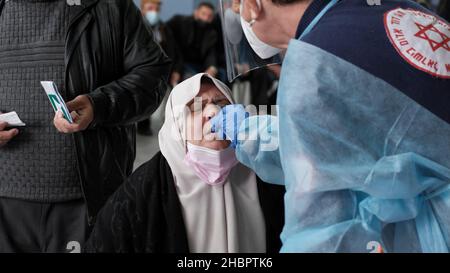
<point>12,119</point>
<point>56,100</point>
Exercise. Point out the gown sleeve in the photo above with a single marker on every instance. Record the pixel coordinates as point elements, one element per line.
<point>258,148</point>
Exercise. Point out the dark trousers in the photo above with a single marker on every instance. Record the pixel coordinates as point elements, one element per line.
<point>42,227</point>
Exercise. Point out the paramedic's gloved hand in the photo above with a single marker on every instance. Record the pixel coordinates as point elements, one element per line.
<point>227,122</point>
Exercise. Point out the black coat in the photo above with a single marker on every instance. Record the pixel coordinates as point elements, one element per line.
<point>111,57</point>
<point>145,215</point>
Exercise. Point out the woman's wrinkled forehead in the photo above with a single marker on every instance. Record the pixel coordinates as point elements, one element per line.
<point>210,92</point>
<point>186,91</point>
<point>214,88</point>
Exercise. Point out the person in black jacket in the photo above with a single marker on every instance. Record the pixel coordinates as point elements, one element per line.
<point>193,196</point>
<point>164,37</point>
<point>196,39</point>
<point>103,59</point>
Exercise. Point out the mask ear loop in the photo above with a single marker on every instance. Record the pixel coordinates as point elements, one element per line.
<point>253,21</point>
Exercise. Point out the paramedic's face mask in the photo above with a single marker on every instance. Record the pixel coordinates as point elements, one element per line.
<point>202,109</point>
<point>248,21</point>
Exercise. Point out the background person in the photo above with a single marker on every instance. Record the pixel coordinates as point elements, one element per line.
<point>107,67</point>
<point>196,39</point>
<point>162,34</point>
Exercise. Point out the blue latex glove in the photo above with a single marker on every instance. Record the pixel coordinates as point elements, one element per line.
<point>227,122</point>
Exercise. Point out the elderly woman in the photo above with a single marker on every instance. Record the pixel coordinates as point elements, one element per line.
<point>193,196</point>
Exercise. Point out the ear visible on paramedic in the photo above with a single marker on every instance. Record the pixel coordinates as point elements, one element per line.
<point>251,10</point>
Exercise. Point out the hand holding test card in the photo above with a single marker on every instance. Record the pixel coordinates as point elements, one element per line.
<point>7,123</point>
<point>71,117</point>
<point>12,119</point>
<point>56,100</point>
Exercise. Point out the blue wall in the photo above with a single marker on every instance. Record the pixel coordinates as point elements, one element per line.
<point>172,7</point>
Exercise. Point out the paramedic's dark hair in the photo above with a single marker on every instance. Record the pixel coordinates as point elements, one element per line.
<point>207,5</point>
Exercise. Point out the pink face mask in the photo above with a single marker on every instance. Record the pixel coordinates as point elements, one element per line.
<point>213,167</point>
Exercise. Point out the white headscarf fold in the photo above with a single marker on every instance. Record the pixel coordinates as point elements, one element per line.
<point>226,218</point>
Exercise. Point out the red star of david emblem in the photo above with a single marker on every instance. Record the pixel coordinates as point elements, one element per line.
<point>435,45</point>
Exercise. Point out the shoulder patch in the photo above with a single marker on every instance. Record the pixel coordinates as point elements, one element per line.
<point>422,39</point>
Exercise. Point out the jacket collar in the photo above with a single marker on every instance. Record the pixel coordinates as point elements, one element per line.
<point>311,12</point>
<point>2,3</point>
<point>78,11</point>
<point>79,20</point>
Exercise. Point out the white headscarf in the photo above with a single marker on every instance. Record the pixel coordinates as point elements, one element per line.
<point>226,218</point>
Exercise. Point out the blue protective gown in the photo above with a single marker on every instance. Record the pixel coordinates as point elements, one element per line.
<point>364,138</point>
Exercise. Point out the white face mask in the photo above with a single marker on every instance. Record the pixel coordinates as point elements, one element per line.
<point>152,17</point>
<point>263,50</point>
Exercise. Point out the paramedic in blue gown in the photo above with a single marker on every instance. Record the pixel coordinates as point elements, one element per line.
<point>363,127</point>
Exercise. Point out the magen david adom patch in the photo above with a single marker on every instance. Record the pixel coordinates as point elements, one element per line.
<point>422,39</point>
